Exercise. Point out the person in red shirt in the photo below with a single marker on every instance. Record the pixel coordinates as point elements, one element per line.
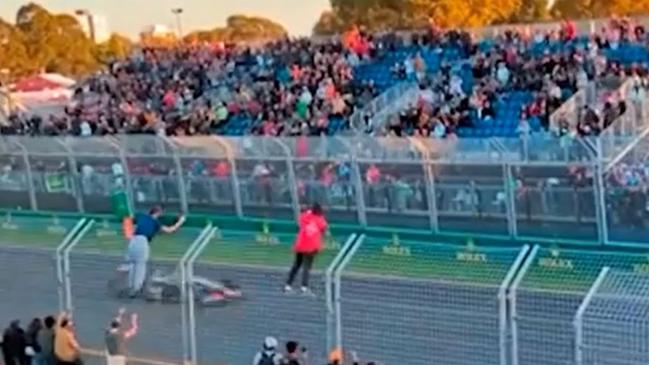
<point>312,225</point>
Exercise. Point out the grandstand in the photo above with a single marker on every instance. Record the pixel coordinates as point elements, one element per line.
<point>487,197</point>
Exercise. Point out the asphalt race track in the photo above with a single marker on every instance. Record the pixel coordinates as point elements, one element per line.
<point>225,335</point>
<point>390,320</point>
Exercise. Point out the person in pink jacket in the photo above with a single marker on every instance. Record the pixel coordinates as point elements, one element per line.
<point>308,243</point>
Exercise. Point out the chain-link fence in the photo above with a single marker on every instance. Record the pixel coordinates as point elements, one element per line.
<point>612,326</point>
<point>231,331</point>
<point>98,290</point>
<point>422,303</point>
<point>546,295</point>
<point>391,300</point>
<point>537,188</point>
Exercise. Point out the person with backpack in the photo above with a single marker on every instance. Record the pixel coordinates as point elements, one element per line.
<point>268,355</point>
<point>308,244</point>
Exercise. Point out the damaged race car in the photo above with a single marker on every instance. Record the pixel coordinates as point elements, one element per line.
<point>167,288</point>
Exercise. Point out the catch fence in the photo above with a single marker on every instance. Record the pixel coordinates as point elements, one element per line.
<point>536,188</point>
<point>422,303</point>
<point>546,295</point>
<point>453,304</point>
<point>612,325</point>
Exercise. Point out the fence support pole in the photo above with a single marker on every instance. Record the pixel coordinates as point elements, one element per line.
<point>190,293</point>
<point>432,196</point>
<point>512,301</point>
<point>502,301</point>
<point>511,201</point>
<point>579,316</point>
<point>600,197</point>
<point>236,189</point>
<point>184,315</point>
<point>360,194</point>
<point>66,264</point>
<point>30,177</point>
<point>329,289</point>
<point>337,283</point>
<point>59,261</point>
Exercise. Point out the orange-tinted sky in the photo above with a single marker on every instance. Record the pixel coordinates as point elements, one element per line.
<point>131,16</point>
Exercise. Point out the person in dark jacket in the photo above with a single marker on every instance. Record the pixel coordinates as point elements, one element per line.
<point>13,345</point>
<point>31,344</point>
<point>45,341</point>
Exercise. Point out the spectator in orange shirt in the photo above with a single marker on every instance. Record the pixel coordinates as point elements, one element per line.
<point>66,348</point>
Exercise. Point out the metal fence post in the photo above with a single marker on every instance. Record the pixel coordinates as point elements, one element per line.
<point>511,201</point>
<point>189,272</point>
<point>512,301</point>
<point>579,316</point>
<point>182,188</point>
<point>502,301</point>
<point>66,264</point>
<point>329,280</point>
<point>600,196</point>
<point>431,191</point>
<point>59,261</point>
<point>236,188</point>
<point>337,283</point>
<point>360,194</point>
<point>30,177</point>
<point>184,316</point>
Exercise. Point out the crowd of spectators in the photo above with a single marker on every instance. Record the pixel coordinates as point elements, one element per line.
<point>296,355</point>
<point>45,341</point>
<point>52,341</point>
<point>304,87</point>
<point>285,88</point>
<point>466,92</point>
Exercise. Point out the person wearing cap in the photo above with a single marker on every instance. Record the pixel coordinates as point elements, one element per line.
<point>313,226</point>
<point>116,337</point>
<point>147,226</point>
<point>268,355</point>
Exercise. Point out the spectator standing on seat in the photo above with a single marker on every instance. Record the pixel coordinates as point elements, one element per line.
<point>312,225</point>
<point>147,226</point>
<point>268,355</point>
<point>45,341</point>
<point>116,337</point>
<point>66,348</point>
<point>14,344</point>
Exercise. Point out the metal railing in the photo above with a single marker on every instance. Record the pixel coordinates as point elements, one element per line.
<point>537,188</point>
<point>383,102</point>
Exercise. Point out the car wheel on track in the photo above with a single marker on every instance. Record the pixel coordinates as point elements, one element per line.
<point>170,294</point>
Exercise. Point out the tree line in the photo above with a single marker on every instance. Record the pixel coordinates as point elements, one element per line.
<point>381,15</point>
<point>43,41</point>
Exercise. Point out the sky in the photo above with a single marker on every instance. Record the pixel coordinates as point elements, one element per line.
<point>129,17</point>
